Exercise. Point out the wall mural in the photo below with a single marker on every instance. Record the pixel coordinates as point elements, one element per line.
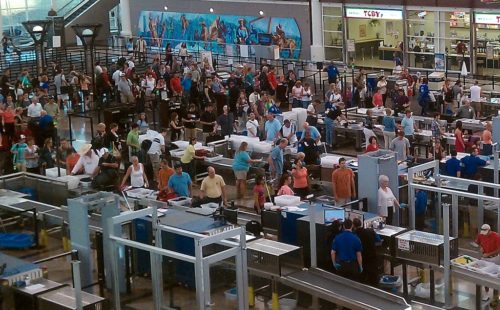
<point>217,33</point>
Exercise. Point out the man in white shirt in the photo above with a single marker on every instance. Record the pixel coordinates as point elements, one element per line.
<point>475,98</point>
<point>88,161</point>
<point>289,131</point>
<point>254,97</point>
<point>156,149</point>
<point>252,126</point>
<point>35,108</point>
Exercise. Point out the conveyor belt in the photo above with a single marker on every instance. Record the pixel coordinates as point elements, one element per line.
<point>342,291</point>
<point>26,205</point>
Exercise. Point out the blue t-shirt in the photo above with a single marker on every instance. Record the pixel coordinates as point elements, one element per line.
<point>471,163</point>
<point>180,184</point>
<point>408,126</point>
<point>332,71</point>
<point>452,167</point>
<point>240,162</point>
<point>19,157</point>
<point>314,133</point>
<point>420,203</point>
<point>272,128</point>
<point>277,157</point>
<point>389,124</point>
<point>346,245</point>
<point>186,84</point>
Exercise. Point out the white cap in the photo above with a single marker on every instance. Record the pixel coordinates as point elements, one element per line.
<point>22,136</point>
<point>485,229</point>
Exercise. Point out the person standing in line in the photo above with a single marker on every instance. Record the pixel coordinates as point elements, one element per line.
<point>18,150</point>
<point>141,50</point>
<point>300,179</point>
<point>252,126</point>
<point>272,128</point>
<point>275,160</point>
<point>155,150</point>
<point>389,132</point>
<point>212,188</point>
<point>475,98</point>
<point>459,138</point>
<point>136,173</point>
<point>241,166</point>
<point>164,174</point>
<point>401,145</point>
<point>344,187</point>
<point>346,253</point>
<point>382,88</point>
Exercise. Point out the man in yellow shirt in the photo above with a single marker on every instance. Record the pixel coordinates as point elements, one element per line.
<point>213,188</point>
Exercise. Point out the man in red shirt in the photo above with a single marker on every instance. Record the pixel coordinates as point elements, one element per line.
<point>489,243</point>
<point>175,85</point>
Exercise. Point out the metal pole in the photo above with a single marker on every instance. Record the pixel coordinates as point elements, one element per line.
<point>77,284</point>
<point>454,211</point>
<point>446,259</point>
<point>312,234</point>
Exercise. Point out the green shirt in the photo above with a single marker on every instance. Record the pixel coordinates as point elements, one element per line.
<point>133,139</point>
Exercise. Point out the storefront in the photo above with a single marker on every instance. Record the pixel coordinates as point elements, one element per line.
<point>438,38</point>
<point>374,36</point>
<point>487,43</point>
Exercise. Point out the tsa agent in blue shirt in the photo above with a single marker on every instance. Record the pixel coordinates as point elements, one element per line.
<point>471,164</point>
<point>272,127</point>
<point>333,73</point>
<point>346,253</point>
<point>453,167</point>
<point>180,182</point>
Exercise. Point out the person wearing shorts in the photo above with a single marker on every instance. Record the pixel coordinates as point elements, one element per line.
<point>241,165</point>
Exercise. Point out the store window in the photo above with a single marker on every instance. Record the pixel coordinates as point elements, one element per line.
<point>333,35</point>
<point>488,43</point>
<point>375,37</point>
<point>438,40</point>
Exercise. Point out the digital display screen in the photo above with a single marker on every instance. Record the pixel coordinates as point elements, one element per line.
<point>331,215</point>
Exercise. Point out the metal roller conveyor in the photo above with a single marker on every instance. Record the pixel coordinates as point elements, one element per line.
<point>342,291</point>
<point>17,270</point>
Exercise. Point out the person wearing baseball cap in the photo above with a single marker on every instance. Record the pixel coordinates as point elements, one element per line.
<point>489,245</point>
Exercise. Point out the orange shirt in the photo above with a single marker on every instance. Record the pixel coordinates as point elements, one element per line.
<point>300,178</point>
<point>71,161</point>
<point>341,179</point>
<point>8,117</point>
<point>163,176</point>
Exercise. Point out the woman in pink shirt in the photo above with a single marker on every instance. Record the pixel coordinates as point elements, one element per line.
<point>284,186</point>
<point>300,179</point>
<point>378,100</point>
<point>297,91</point>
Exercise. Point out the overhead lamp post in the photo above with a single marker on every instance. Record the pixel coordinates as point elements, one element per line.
<point>38,31</point>
<point>87,33</point>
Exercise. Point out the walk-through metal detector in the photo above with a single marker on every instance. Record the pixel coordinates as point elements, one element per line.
<point>202,264</point>
<point>78,212</point>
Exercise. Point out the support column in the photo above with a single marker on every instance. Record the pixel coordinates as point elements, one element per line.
<point>125,18</point>
<point>317,49</point>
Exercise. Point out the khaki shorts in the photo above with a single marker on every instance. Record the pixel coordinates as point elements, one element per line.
<point>241,175</point>
<point>476,105</point>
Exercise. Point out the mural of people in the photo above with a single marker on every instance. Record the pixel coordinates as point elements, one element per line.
<point>211,32</point>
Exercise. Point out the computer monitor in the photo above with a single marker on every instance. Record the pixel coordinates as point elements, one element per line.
<point>353,214</point>
<point>331,215</point>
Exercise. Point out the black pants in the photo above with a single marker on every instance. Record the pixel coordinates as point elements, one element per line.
<point>390,215</point>
<point>301,192</point>
<point>349,270</point>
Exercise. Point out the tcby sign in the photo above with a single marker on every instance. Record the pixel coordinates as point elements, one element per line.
<point>490,19</point>
<point>373,14</point>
